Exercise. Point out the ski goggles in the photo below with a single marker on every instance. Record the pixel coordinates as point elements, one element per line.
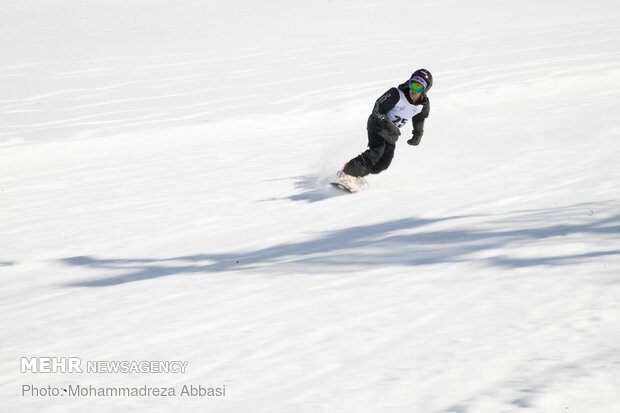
<point>417,84</point>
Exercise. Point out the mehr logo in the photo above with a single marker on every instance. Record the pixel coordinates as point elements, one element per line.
<point>75,365</point>
<point>51,365</point>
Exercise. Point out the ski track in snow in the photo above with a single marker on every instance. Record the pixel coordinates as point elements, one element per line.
<point>163,196</point>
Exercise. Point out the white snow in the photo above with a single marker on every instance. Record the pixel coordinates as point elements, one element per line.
<point>163,196</point>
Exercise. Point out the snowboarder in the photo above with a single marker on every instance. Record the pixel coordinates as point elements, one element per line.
<point>391,112</point>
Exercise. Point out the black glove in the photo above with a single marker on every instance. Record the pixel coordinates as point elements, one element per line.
<point>384,122</point>
<point>387,124</point>
<point>417,136</point>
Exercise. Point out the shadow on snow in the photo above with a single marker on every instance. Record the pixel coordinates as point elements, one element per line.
<point>404,242</point>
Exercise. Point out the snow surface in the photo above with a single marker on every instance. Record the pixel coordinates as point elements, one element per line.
<point>163,197</point>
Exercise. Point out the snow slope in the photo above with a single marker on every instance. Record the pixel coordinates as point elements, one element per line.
<point>163,197</point>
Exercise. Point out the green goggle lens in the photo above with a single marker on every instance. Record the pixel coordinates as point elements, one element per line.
<point>416,87</point>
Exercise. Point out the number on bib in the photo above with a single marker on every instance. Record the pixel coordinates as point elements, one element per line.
<point>399,122</point>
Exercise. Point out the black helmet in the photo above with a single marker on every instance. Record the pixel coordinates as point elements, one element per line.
<point>426,75</point>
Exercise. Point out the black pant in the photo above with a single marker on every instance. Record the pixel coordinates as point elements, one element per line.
<point>373,160</point>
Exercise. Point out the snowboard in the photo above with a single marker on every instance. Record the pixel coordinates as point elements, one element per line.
<point>350,187</point>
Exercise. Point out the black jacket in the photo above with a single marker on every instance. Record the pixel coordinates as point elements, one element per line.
<point>379,123</point>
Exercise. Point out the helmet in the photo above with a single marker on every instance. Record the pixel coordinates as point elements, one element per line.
<point>426,75</point>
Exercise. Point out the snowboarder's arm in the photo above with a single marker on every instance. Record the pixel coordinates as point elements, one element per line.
<point>418,124</point>
<point>378,118</point>
<point>384,104</point>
